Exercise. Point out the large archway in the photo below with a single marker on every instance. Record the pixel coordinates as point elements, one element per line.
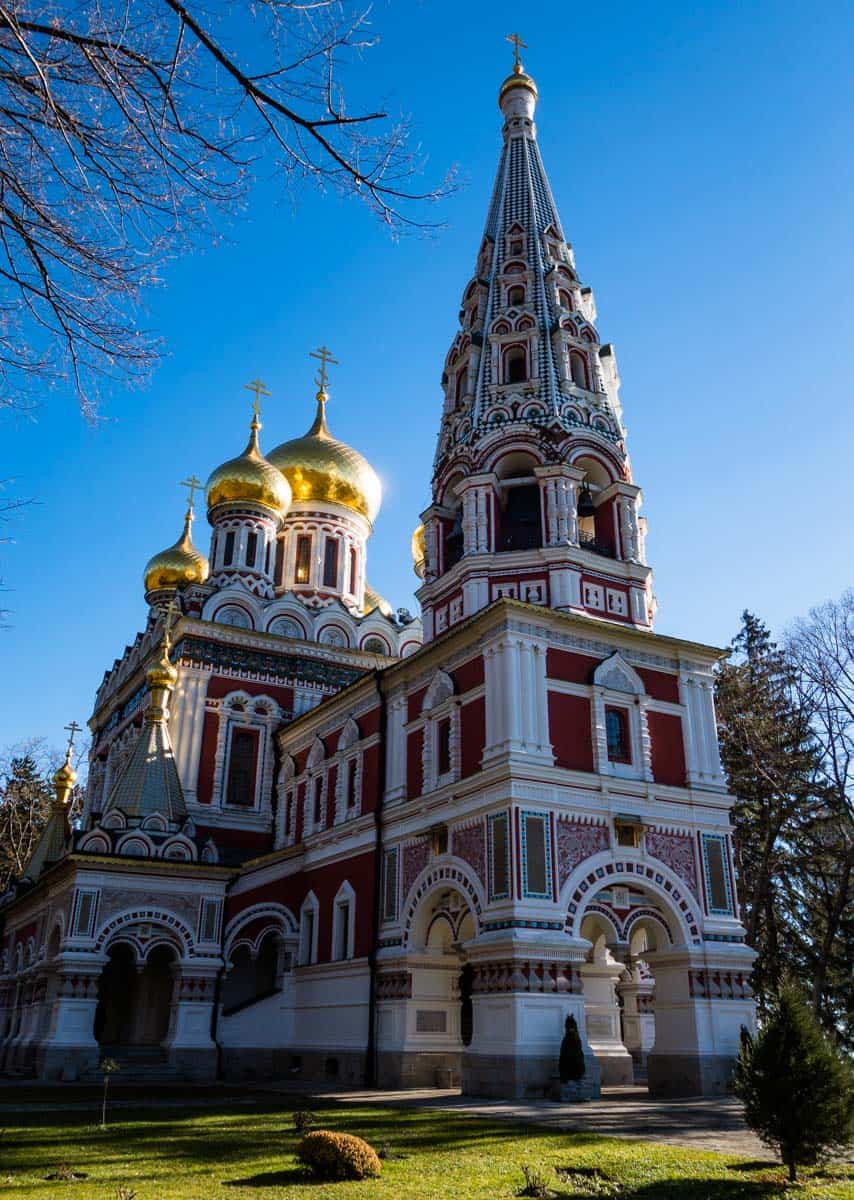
<point>134,997</point>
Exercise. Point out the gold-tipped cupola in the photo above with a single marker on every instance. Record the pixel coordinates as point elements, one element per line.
<point>320,469</point>
<point>250,478</point>
<point>179,565</point>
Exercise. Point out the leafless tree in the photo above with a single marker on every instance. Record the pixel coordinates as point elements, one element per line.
<point>821,650</point>
<point>9,505</point>
<point>26,797</point>
<point>129,127</point>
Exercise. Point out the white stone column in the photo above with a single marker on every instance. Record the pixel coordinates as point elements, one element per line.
<point>602,1011</point>
<point>395,749</point>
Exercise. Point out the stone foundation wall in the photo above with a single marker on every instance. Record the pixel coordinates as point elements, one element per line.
<point>420,1069</point>
<point>346,1067</point>
<point>503,1076</point>
<point>674,1075</point>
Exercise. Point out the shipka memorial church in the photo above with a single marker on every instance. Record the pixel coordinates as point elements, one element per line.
<point>323,840</point>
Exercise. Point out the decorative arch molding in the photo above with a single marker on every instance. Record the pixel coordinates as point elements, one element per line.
<point>645,914</point>
<point>233,596</point>
<point>604,870</point>
<point>615,674</point>
<point>441,689</point>
<point>279,915</point>
<point>95,843</point>
<point>316,755</point>
<point>349,735</point>
<point>590,447</point>
<point>121,928</point>
<point>451,873</point>
<point>136,838</point>
<point>608,916</point>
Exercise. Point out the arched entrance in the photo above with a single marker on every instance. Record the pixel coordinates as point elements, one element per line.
<point>134,997</point>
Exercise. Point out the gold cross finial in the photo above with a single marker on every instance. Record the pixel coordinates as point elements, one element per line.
<point>191,484</point>
<point>73,729</point>
<point>171,613</point>
<point>325,356</point>
<point>260,389</point>
<point>518,45</point>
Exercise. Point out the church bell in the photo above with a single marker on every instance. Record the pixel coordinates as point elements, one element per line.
<point>586,507</point>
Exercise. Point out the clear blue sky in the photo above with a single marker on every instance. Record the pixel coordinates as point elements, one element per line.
<point>701,158</point>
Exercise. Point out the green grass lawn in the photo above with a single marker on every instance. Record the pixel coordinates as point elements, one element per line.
<point>243,1150</point>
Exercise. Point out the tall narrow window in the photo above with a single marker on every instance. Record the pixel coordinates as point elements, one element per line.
<point>443,746</point>
<point>342,949</point>
<point>390,885</point>
<point>307,939</point>
<point>251,549</point>
<point>536,856</point>
<point>515,365</point>
<point>564,299</point>
<point>318,799</point>
<point>228,553</point>
<point>303,565</point>
<point>352,768</point>
<point>354,563</point>
<point>617,734</point>
<point>280,561</point>
<point>330,563</point>
<point>516,294</point>
<point>240,783</point>
<point>716,875</point>
<point>578,369</point>
<point>499,867</point>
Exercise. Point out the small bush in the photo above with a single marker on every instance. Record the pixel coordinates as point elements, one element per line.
<point>536,1184</point>
<point>304,1121</point>
<point>333,1156</point>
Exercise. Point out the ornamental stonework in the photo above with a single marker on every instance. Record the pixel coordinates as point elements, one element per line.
<point>576,841</point>
<point>415,858</point>
<point>676,851</point>
<point>469,844</point>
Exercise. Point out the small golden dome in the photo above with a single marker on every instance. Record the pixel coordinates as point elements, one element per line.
<point>178,565</point>
<point>517,79</point>
<point>65,777</point>
<point>249,479</point>
<point>374,600</point>
<point>418,551</point>
<point>320,468</point>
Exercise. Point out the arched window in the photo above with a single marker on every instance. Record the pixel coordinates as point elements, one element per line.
<point>331,636</point>
<point>578,368</point>
<point>515,365</point>
<point>228,553</point>
<point>461,382</point>
<point>564,299</point>
<point>303,559</point>
<point>286,627</point>
<point>516,294</point>
<point>375,645</point>
<point>232,615</point>
<point>617,735</point>
<point>251,549</point>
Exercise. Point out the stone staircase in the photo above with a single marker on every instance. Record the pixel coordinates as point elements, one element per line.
<point>138,1064</point>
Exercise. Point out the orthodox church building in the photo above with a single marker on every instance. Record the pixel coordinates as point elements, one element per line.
<point>323,840</point>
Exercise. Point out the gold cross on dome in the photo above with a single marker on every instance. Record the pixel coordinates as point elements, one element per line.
<point>325,356</point>
<point>192,484</point>
<point>518,45</point>
<point>171,613</point>
<point>73,729</point>
<point>260,389</point>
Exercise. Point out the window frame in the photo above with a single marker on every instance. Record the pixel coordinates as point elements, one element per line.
<point>302,561</point>
<point>624,720</point>
<point>235,727</point>
<point>526,815</point>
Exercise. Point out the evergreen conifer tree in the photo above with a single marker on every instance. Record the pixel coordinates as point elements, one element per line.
<point>571,1065</point>
<point>797,1090</point>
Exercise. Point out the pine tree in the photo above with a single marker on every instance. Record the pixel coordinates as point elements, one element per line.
<point>769,754</point>
<point>797,1091</point>
<point>571,1064</point>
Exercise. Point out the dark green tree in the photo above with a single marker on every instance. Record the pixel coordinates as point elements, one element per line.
<point>797,1090</point>
<point>772,764</point>
<point>571,1064</point>
<point>26,796</point>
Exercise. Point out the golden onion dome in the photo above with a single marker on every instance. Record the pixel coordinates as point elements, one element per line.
<point>321,469</point>
<point>178,565</point>
<point>249,479</point>
<point>374,600</point>
<point>418,551</point>
<point>516,80</point>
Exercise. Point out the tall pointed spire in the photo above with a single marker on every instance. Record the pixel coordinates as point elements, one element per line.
<point>149,782</point>
<point>531,413</point>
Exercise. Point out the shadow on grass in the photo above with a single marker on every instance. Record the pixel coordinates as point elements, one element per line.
<point>679,1189</point>
<point>295,1176</point>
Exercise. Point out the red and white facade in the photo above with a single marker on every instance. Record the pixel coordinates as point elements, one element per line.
<point>417,880</point>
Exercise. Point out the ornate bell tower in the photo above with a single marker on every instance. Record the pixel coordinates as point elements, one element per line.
<point>533,496</point>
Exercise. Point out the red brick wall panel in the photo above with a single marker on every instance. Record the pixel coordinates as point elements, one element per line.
<point>570,731</point>
<point>668,749</point>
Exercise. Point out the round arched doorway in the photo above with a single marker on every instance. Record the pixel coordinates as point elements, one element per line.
<point>134,997</point>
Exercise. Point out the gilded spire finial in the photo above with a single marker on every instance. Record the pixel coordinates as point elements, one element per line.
<point>191,484</point>
<point>65,778</point>
<point>518,45</point>
<point>171,613</point>
<point>260,389</point>
<point>322,377</point>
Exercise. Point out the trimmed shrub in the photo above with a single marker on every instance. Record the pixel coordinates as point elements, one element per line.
<point>334,1156</point>
<point>797,1090</point>
<point>304,1121</point>
<point>571,1062</point>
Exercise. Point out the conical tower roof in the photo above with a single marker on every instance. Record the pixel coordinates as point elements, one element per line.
<point>149,782</point>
